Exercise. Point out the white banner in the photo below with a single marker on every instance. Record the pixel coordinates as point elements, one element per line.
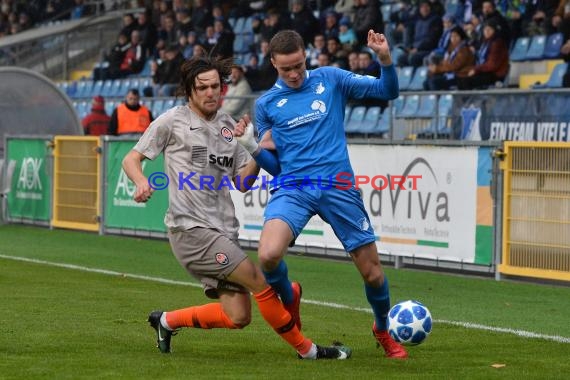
<point>437,219</point>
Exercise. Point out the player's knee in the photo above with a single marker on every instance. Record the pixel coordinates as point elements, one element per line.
<point>374,278</point>
<point>240,321</point>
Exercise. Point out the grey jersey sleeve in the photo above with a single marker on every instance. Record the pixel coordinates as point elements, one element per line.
<point>155,138</point>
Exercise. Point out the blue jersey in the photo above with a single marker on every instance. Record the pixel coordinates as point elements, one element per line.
<point>307,123</point>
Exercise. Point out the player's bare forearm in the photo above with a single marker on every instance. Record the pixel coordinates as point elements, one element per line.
<point>133,169</point>
<point>247,176</point>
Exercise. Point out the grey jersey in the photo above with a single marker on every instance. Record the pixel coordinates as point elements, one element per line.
<point>200,157</point>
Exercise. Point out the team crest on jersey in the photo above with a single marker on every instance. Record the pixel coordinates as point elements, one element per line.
<point>227,134</point>
<point>281,103</point>
<point>222,258</point>
<point>319,88</point>
<point>364,225</point>
<point>319,105</point>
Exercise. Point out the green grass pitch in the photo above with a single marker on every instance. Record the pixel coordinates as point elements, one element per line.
<point>87,320</point>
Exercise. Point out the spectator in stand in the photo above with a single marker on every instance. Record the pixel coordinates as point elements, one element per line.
<point>130,118</point>
<point>135,57</point>
<point>167,34</point>
<point>336,53</point>
<point>428,30</point>
<point>183,22</point>
<point>224,46</point>
<point>303,20</point>
<point>272,23</point>
<point>166,73</point>
<point>474,31</point>
<point>542,17</point>
<point>317,47</point>
<point>331,24</point>
<point>201,16</point>
<point>96,123</point>
<point>353,62</point>
<point>457,62</point>
<point>345,7</point>
<point>367,15</point>
<point>79,10</point>
<point>114,58</point>
<point>324,59</point>
<point>187,44</point>
<point>236,102</point>
<point>346,34</point>
<point>148,32</point>
<point>442,45</point>
<point>492,60</point>
<point>265,75</point>
<point>491,14</point>
<point>561,19</point>
<point>565,49</point>
<point>129,24</point>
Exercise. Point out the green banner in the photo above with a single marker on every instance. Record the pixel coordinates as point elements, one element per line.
<point>121,211</point>
<point>30,191</point>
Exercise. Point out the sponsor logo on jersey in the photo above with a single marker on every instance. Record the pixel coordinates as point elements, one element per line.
<point>222,258</point>
<point>224,161</point>
<point>319,105</point>
<point>227,134</point>
<point>319,88</point>
<point>282,102</point>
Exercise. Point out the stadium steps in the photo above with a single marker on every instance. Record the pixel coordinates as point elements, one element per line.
<point>526,81</point>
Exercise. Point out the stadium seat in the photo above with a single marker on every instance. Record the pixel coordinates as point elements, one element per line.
<point>438,125</point>
<point>110,106</point>
<point>398,105</point>
<point>355,120</point>
<point>370,120</point>
<point>168,104</point>
<point>520,49</point>
<point>553,45</point>
<point>405,77</point>
<point>555,79</point>
<point>427,107</point>
<point>115,88</point>
<point>410,106</point>
<point>157,106</point>
<point>97,87</point>
<point>383,125</point>
<point>417,83</point>
<point>536,48</point>
<point>107,87</point>
<point>386,10</point>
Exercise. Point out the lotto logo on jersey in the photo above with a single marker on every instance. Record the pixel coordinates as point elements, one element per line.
<point>227,134</point>
<point>222,259</point>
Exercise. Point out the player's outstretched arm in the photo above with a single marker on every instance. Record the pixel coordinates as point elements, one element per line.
<point>133,169</point>
<point>379,44</point>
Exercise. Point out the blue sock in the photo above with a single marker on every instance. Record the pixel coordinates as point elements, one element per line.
<point>379,299</point>
<point>279,281</point>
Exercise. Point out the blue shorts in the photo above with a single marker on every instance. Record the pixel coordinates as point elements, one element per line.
<point>343,210</point>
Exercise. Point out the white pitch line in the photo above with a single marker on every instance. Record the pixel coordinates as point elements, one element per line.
<point>467,325</point>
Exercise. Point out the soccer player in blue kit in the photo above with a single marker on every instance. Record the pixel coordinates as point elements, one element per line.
<point>304,115</point>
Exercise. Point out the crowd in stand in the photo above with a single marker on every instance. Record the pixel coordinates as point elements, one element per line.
<point>463,43</point>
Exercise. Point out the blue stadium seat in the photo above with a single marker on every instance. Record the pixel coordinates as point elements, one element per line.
<point>383,125</point>
<point>115,89</point>
<point>439,124</point>
<point>405,77</point>
<point>520,49</point>
<point>240,45</point>
<point>146,69</point>
<point>417,83</point>
<point>107,87</point>
<point>536,48</point>
<point>110,106</point>
<point>386,10</point>
<point>411,106</point>
<point>168,104</point>
<point>370,120</point>
<point>248,25</point>
<point>398,105</point>
<point>355,120</point>
<point>157,106</point>
<point>553,45</point>
<point>144,83</point>
<point>428,104</point>
<point>232,22</point>
<point>97,88</point>
<point>555,79</point>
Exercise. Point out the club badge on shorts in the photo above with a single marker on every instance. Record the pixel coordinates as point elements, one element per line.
<point>222,258</point>
<point>227,134</point>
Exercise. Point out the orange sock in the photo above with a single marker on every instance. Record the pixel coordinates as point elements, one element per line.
<point>275,314</point>
<point>209,316</point>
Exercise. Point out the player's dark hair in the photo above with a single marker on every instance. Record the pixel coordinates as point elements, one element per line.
<point>195,66</point>
<point>286,42</point>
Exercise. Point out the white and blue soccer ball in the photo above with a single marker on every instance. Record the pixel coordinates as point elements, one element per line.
<point>409,322</point>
